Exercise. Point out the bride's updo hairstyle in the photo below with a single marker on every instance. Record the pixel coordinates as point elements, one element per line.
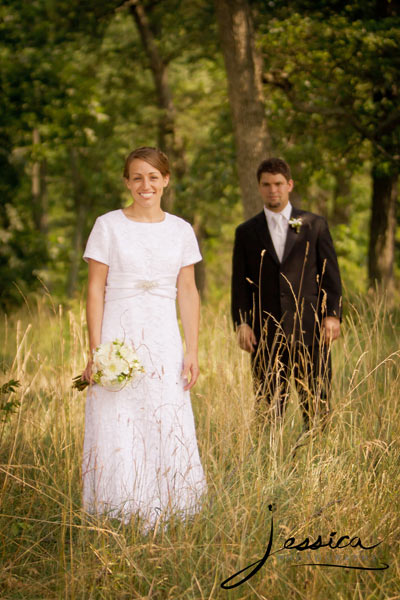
<point>153,156</point>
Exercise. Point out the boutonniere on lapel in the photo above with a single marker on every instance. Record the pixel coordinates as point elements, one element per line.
<point>295,224</point>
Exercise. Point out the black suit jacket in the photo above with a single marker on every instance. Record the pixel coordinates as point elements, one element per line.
<point>294,295</point>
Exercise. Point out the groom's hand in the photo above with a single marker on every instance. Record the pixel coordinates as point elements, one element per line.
<point>246,338</point>
<point>331,329</point>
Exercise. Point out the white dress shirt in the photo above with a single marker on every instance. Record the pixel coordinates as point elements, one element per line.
<point>278,225</point>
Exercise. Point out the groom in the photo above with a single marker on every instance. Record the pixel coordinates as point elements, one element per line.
<point>286,297</point>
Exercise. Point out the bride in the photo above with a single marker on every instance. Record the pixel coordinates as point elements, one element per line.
<point>140,447</point>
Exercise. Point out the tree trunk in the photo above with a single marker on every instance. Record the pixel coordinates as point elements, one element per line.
<point>382,230</point>
<point>39,189</point>
<point>168,139</point>
<point>341,198</point>
<point>81,210</point>
<point>244,71</point>
<point>200,271</point>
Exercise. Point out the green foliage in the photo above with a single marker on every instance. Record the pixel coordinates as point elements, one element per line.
<point>339,77</point>
<point>10,386</point>
<point>8,405</point>
<point>76,73</point>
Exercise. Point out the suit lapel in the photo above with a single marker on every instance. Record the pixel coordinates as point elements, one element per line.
<point>264,235</point>
<point>292,235</point>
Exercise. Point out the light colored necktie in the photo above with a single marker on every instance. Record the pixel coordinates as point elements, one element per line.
<point>279,235</point>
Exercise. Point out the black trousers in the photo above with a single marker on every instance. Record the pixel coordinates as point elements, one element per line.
<point>274,364</point>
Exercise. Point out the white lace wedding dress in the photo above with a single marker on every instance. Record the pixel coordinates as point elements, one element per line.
<point>140,446</point>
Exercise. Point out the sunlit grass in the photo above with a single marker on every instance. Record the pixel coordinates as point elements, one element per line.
<point>343,480</point>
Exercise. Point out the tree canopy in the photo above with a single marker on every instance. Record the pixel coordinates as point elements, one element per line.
<point>82,83</point>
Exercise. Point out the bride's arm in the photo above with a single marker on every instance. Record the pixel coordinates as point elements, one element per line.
<point>95,307</point>
<point>189,309</point>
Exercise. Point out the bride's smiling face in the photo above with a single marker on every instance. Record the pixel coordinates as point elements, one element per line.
<point>145,183</point>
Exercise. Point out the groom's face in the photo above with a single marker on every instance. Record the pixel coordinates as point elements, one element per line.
<point>275,189</point>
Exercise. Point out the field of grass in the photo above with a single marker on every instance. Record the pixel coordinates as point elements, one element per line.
<point>345,479</point>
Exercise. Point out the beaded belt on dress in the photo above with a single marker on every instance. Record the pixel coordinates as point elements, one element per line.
<point>120,286</point>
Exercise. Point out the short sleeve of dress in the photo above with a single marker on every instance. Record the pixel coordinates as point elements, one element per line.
<point>191,253</point>
<point>98,246</point>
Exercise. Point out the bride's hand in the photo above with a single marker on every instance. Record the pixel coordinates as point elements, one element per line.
<point>87,373</point>
<point>190,366</point>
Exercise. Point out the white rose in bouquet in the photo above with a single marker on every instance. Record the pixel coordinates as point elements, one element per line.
<point>114,365</point>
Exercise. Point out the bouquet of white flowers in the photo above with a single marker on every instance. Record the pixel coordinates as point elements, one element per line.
<point>114,365</point>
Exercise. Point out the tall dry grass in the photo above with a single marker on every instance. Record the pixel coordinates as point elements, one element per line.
<point>343,480</point>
